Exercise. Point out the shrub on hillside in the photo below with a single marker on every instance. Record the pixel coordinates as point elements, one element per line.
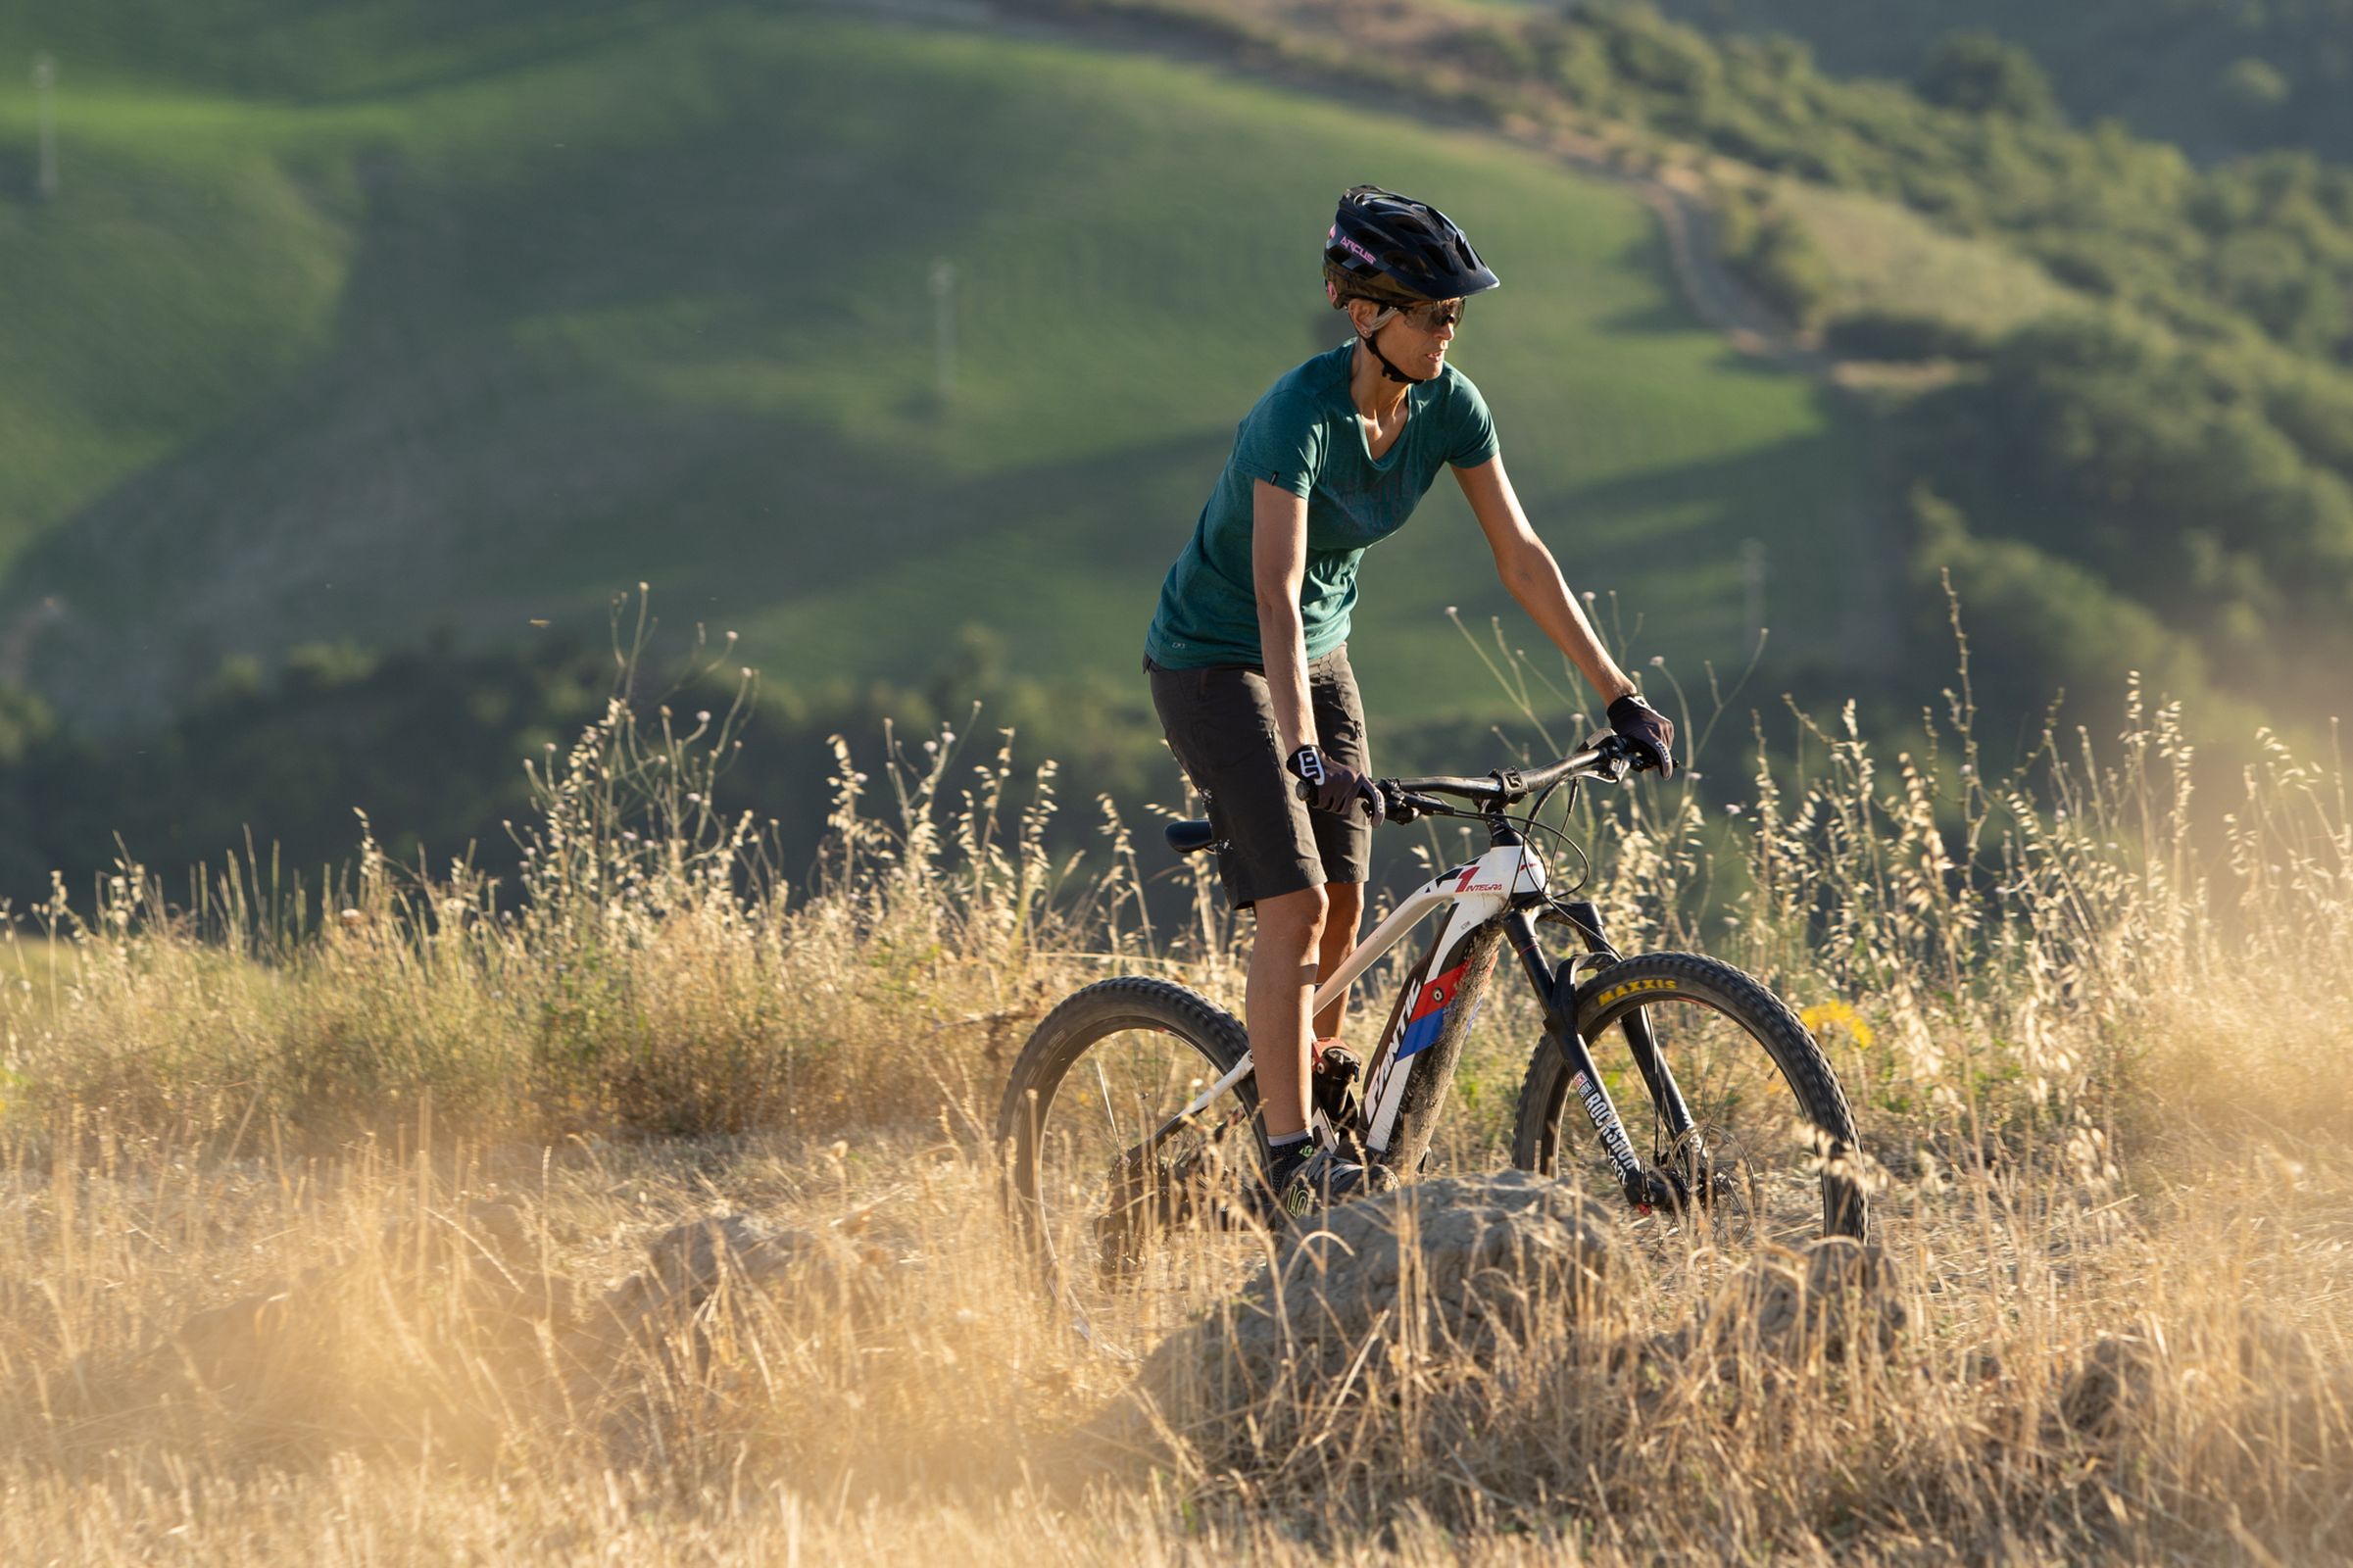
<point>1494,51</point>
<point>1774,254</point>
<point>1979,74</point>
<point>2156,464</point>
<point>1902,337</point>
<point>2049,626</point>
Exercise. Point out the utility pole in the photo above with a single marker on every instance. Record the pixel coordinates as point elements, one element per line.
<point>44,97</point>
<point>1752,589</point>
<point>943,295</point>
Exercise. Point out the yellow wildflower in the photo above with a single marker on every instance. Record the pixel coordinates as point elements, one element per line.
<point>1823,1014</point>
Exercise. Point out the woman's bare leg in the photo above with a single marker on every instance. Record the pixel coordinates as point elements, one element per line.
<point>1282,987</point>
<point>1344,903</point>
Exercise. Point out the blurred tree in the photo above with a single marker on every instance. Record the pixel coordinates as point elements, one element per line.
<point>1979,74</point>
<point>2040,625</point>
<point>26,721</point>
<point>2254,87</point>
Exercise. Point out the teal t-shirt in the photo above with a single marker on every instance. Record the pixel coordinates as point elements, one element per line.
<point>1306,438</point>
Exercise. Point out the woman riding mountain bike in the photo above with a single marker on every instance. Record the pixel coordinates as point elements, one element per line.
<point>1248,652</point>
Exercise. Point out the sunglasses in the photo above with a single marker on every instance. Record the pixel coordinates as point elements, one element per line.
<point>1433,316</point>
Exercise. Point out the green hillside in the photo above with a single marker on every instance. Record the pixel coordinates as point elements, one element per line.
<point>399,328</point>
<point>2220,76</point>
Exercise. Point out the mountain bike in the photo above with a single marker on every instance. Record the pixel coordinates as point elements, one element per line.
<point>1130,1125</point>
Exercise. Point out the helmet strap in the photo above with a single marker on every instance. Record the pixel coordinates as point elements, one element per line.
<point>1366,338</point>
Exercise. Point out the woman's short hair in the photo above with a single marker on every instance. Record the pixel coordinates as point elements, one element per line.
<point>1346,286</point>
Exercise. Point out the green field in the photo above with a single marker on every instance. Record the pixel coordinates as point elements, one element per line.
<point>442,340</point>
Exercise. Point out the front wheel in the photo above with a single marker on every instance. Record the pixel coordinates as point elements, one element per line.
<point>1773,1155</point>
<point>1134,1222</point>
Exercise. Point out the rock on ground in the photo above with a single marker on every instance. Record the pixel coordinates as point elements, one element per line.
<point>1466,1286</point>
<point>1437,1273</point>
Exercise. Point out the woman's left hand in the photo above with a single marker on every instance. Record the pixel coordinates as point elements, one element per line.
<point>1651,732</point>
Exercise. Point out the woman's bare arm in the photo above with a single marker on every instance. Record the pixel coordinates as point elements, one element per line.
<point>1277,566</point>
<point>1528,571</point>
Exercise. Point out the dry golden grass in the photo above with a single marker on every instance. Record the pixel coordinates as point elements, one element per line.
<point>322,1240</point>
<point>2159,1377</point>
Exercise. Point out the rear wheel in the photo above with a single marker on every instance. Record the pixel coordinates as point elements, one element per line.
<point>1133,1224</point>
<point>1773,1156</point>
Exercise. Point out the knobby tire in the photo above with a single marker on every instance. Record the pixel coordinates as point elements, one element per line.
<point>1663,981</point>
<point>1041,1076</point>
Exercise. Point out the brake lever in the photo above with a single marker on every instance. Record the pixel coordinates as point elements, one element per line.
<point>1403,807</point>
<point>1618,758</point>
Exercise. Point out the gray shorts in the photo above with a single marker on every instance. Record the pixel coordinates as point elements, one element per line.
<point>1221,724</point>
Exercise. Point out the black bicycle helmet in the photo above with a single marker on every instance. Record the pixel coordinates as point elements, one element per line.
<point>1381,238</point>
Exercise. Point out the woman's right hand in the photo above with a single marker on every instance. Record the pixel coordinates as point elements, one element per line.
<point>1334,787</point>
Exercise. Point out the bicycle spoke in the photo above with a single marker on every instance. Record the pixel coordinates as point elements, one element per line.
<point>1110,1117</point>
<point>1751,1178</point>
<point>1758,1165</point>
<point>1139,1240</point>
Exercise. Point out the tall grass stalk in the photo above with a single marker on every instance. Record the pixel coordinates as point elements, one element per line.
<point>312,1194</point>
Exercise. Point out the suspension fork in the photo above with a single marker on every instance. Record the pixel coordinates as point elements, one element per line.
<point>1643,1187</point>
<point>1675,1116</point>
<point>1556,991</point>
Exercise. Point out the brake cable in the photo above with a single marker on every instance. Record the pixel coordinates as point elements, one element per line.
<point>1533,822</point>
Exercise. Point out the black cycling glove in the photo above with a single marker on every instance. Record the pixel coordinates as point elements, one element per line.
<point>1651,732</point>
<point>1334,787</point>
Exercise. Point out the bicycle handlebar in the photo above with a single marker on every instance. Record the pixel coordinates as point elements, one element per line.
<point>1609,758</point>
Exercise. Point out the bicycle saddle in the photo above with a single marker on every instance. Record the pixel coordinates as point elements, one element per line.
<point>1186,837</point>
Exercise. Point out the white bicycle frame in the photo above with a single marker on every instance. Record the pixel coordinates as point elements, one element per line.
<point>1478,891</point>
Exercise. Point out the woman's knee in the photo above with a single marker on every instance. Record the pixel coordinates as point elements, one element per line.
<point>1293,920</point>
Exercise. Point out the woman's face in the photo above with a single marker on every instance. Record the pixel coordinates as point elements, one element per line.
<point>1414,340</point>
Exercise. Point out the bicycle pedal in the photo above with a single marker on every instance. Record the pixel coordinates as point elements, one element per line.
<point>1332,1086</point>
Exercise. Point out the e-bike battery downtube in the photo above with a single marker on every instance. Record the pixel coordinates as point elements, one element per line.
<point>1383,1087</point>
<point>1416,1063</point>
